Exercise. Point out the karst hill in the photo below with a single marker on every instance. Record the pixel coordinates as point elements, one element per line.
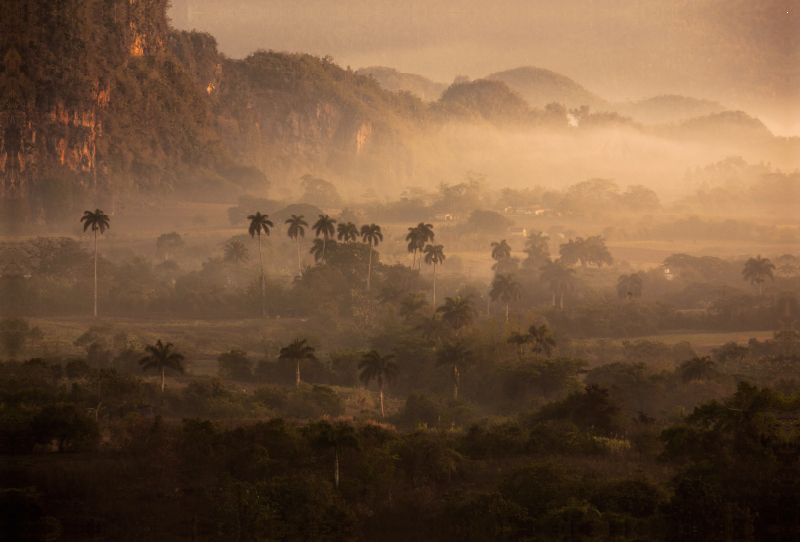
<point>102,98</point>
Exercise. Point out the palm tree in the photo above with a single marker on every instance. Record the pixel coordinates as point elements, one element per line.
<point>432,328</point>
<point>506,288</point>
<point>457,312</point>
<point>560,277</point>
<point>415,243</point>
<point>375,366</point>
<point>434,255</point>
<point>757,270</point>
<point>629,286</point>
<point>296,351</point>
<point>572,252</point>
<point>296,231</point>
<point>519,340</point>
<point>160,358</point>
<point>260,223</point>
<point>337,437</point>
<point>425,232</point>
<point>537,249</point>
<point>324,227</point>
<point>96,220</point>
<point>542,340</point>
<point>236,253</point>
<point>318,249</point>
<point>347,232</point>
<point>371,234</point>
<point>499,251</point>
<point>391,293</point>
<point>453,353</point>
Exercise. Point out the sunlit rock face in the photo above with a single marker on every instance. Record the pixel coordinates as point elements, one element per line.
<point>100,98</point>
<point>56,83</point>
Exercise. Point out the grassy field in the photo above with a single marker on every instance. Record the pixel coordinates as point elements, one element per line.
<point>704,342</point>
<point>204,340</point>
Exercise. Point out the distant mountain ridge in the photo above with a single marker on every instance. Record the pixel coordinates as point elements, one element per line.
<point>110,100</point>
<point>540,87</point>
<point>669,108</point>
<point>395,81</point>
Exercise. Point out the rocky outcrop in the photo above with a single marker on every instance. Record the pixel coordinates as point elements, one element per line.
<point>59,60</point>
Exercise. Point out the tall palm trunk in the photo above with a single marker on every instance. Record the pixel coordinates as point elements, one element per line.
<point>95,273</point>
<point>434,287</point>
<point>324,241</point>
<point>336,469</point>
<point>455,381</point>
<point>489,301</point>
<point>369,269</point>
<point>297,381</point>
<point>380,385</point>
<point>162,382</point>
<point>263,285</point>
<point>562,299</point>
<point>298,253</point>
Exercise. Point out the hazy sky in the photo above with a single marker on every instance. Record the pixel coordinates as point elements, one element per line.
<point>743,53</point>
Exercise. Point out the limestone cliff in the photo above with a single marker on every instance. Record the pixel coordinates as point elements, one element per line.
<point>102,97</point>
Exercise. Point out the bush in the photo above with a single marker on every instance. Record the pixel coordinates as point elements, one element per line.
<point>234,365</point>
<point>77,368</point>
<point>420,409</point>
<point>313,402</point>
<point>271,396</point>
<point>64,423</point>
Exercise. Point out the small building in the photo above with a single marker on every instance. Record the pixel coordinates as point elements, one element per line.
<point>443,217</point>
<point>519,232</point>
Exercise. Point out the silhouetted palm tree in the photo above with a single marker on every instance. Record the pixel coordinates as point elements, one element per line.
<point>297,351</point>
<point>296,231</point>
<point>560,277</point>
<point>432,328</point>
<point>506,288</point>
<point>318,249</point>
<point>426,233</point>
<point>629,286</point>
<point>537,249</point>
<point>454,354</point>
<point>324,226</point>
<point>434,254</point>
<point>542,339</point>
<point>391,293</point>
<point>415,243</point>
<point>260,223</point>
<point>375,366</point>
<point>371,234</point>
<point>347,232</point>
<point>500,250</point>
<point>757,270</point>
<point>337,437</point>
<point>519,340</point>
<point>160,358</point>
<point>572,252</point>
<point>236,253</point>
<point>457,312</point>
<point>96,220</point>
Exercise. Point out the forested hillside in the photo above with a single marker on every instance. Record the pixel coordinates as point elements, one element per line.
<point>102,99</point>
